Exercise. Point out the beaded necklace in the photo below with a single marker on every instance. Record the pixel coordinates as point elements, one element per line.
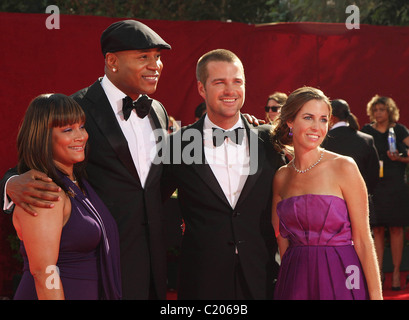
<point>310,167</point>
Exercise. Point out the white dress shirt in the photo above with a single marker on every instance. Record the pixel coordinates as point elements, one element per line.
<point>229,162</point>
<point>7,204</point>
<point>138,132</point>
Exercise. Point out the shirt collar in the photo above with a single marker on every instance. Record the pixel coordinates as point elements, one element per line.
<point>340,124</point>
<point>208,124</point>
<point>114,95</point>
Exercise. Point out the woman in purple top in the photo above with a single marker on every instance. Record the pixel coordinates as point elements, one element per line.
<point>70,251</point>
<point>320,211</point>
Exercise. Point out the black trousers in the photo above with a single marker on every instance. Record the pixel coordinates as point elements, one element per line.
<point>241,290</point>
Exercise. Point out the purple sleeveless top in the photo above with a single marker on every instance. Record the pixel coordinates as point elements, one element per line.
<point>88,259</point>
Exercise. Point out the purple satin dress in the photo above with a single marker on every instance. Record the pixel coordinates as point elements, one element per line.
<point>321,262</point>
<point>88,258</point>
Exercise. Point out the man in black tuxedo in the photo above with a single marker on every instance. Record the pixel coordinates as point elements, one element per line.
<point>345,138</point>
<point>224,188</point>
<point>119,165</point>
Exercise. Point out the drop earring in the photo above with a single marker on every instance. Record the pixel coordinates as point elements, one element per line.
<point>290,134</point>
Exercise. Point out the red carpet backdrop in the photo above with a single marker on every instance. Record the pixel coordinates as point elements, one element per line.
<point>350,64</point>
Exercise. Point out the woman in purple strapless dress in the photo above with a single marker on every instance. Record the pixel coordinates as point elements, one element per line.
<point>320,211</point>
<point>70,251</point>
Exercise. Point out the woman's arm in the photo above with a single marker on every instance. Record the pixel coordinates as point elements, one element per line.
<point>282,242</point>
<point>41,236</point>
<point>355,195</point>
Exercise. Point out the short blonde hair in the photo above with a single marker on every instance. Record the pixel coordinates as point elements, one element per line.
<point>215,55</point>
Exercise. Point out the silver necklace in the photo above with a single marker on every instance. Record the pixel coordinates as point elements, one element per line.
<point>310,167</point>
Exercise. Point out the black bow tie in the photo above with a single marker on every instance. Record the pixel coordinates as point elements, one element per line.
<point>142,106</point>
<point>219,135</point>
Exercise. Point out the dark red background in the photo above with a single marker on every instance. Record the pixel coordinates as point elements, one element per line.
<point>349,64</point>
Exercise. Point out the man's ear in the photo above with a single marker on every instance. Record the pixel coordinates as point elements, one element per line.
<point>111,61</point>
<point>201,89</point>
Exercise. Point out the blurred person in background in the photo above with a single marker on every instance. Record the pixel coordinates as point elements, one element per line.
<point>273,108</point>
<point>391,195</point>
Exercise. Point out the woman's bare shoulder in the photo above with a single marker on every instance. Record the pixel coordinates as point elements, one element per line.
<point>340,161</point>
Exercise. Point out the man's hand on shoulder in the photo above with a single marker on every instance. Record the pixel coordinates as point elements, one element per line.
<point>253,120</point>
<point>33,189</point>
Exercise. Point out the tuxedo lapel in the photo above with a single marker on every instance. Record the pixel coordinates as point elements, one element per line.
<point>203,169</point>
<point>206,174</point>
<point>257,156</point>
<point>156,110</point>
<point>160,125</point>
<point>104,117</point>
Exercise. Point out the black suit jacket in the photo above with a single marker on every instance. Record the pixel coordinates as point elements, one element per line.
<point>137,211</point>
<point>214,228</point>
<point>359,146</point>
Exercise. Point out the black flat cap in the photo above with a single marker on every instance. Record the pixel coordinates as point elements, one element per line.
<point>130,35</point>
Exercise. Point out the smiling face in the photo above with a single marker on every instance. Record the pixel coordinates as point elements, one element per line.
<point>310,125</point>
<point>136,71</point>
<point>224,92</point>
<point>68,145</point>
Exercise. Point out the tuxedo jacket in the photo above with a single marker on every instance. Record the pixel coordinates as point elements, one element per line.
<point>213,229</point>
<point>137,210</point>
<point>359,146</point>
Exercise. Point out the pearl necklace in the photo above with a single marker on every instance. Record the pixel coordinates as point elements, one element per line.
<point>310,167</point>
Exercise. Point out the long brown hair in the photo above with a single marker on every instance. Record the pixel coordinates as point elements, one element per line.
<point>295,101</point>
<point>34,140</point>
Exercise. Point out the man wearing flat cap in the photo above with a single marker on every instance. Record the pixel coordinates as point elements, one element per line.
<point>121,119</point>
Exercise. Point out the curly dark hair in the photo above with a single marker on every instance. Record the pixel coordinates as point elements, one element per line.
<point>389,103</point>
